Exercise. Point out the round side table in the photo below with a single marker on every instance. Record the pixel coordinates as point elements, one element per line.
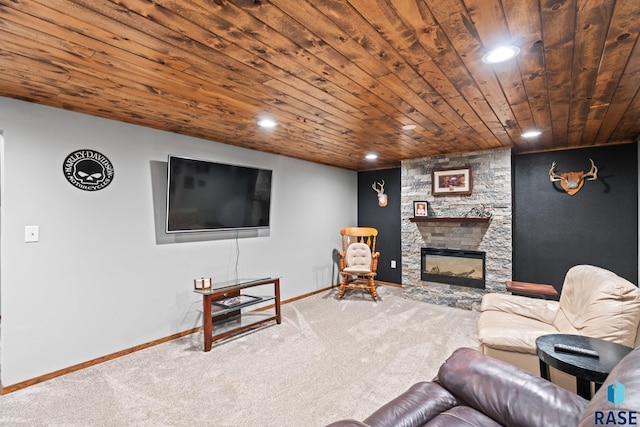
<point>586,369</point>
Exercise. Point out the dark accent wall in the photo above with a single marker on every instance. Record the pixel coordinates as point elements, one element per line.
<point>386,220</point>
<point>553,231</point>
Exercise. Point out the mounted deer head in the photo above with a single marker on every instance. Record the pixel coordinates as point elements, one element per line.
<point>382,198</point>
<point>572,182</point>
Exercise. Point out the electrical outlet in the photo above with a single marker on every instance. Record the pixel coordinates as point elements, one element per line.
<point>393,263</point>
<point>31,233</point>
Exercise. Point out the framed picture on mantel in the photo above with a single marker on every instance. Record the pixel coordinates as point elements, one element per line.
<point>420,208</point>
<point>452,182</point>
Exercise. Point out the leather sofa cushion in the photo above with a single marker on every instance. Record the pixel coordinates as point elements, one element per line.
<point>511,332</point>
<point>462,416</point>
<point>413,408</point>
<point>507,394</point>
<point>538,309</point>
<point>348,423</point>
<point>472,389</point>
<point>598,303</point>
<point>387,416</point>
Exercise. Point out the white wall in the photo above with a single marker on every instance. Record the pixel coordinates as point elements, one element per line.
<point>102,279</point>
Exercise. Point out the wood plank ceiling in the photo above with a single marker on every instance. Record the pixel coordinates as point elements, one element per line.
<point>340,77</point>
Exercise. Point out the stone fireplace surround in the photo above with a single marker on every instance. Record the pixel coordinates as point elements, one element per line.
<point>491,171</point>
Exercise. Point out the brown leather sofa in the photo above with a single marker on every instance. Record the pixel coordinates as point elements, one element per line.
<point>472,389</point>
<point>594,302</point>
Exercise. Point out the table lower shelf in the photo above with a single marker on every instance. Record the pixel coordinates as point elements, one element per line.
<point>217,309</point>
<point>241,322</point>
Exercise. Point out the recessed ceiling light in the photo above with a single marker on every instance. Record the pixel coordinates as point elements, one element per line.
<point>500,54</point>
<point>408,127</point>
<point>371,156</point>
<point>266,123</point>
<point>531,134</point>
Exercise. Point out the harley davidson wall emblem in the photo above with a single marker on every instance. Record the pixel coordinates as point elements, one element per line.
<point>88,170</point>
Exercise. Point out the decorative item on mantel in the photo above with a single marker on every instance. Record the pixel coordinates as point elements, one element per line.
<point>382,198</point>
<point>572,182</point>
<point>420,208</point>
<point>478,212</point>
<point>202,284</point>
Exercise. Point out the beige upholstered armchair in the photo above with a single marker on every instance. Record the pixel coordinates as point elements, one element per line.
<point>594,302</point>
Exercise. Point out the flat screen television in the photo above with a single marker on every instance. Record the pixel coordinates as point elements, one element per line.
<point>208,196</point>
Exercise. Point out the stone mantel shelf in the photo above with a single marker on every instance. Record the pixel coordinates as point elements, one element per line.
<point>449,219</point>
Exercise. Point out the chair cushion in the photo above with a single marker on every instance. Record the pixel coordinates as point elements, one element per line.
<point>537,309</point>
<point>358,258</point>
<point>511,332</point>
<point>356,270</point>
<point>613,304</point>
<point>512,323</point>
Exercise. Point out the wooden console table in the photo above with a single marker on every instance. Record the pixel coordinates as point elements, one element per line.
<point>222,306</point>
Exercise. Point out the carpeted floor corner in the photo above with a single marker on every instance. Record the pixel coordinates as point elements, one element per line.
<point>329,359</point>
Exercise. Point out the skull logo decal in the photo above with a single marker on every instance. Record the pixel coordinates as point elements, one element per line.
<point>88,170</point>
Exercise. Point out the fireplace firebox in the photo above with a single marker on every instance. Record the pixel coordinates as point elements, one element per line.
<point>453,267</point>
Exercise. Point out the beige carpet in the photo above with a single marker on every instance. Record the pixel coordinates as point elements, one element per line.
<point>330,359</point>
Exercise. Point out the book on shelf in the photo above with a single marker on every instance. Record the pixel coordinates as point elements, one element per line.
<point>235,301</point>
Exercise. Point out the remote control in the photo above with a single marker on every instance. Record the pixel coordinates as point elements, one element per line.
<point>576,350</point>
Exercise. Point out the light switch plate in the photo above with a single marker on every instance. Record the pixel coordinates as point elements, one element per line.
<point>31,233</point>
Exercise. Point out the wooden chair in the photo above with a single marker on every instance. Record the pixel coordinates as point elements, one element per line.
<point>358,259</point>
